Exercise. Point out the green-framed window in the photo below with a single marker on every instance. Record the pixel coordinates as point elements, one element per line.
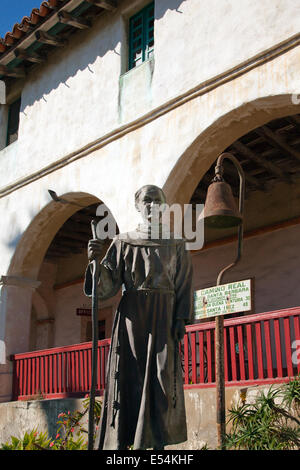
<point>141,36</point>
<point>13,121</point>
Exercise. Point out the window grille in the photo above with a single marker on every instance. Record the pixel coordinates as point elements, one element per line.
<point>141,36</point>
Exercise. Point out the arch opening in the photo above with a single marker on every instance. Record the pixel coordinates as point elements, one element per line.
<point>221,134</point>
<point>51,257</point>
<point>265,137</point>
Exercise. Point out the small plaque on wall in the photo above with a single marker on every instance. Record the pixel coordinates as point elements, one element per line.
<point>84,312</point>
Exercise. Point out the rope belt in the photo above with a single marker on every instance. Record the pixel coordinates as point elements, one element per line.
<point>146,289</point>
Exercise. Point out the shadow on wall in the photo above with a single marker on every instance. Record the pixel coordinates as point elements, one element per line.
<point>14,231</point>
<point>50,409</point>
<point>82,52</point>
<point>163,6</point>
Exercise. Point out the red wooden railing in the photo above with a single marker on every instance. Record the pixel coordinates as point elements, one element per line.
<point>58,372</point>
<point>257,349</point>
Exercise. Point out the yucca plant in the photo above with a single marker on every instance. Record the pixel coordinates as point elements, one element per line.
<point>291,393</point>
<point>266,424</point>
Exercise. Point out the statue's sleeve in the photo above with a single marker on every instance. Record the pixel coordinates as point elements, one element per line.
<point>183,286</point>
<point>110,277</point>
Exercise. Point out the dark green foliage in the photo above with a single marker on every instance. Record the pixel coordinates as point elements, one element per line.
<point>71,433</point>
<point>270,423</point>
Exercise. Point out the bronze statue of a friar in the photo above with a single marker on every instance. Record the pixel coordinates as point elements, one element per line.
<point>143,404</point>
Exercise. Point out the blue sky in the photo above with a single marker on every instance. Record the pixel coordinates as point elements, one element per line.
<point>12,11</point>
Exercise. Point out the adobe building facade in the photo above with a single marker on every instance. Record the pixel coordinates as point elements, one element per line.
<point>93,131</point>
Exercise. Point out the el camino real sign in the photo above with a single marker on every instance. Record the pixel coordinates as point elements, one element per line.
<point>224,299</point>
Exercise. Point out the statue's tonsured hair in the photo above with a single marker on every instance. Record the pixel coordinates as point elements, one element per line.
<point>148,187</point>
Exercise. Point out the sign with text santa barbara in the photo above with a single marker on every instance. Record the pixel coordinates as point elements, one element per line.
<point>220,300</point>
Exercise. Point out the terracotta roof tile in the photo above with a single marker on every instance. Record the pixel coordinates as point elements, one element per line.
<point>27,23</point>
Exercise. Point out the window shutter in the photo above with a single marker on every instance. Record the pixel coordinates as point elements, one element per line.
<point>13,121</point>
<point>141,36</point>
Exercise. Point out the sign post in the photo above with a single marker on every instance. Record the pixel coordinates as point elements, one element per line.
<point>220,212</point>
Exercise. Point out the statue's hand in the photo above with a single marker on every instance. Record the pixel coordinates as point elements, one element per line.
<point>95,248</point>
<point>179,330</point>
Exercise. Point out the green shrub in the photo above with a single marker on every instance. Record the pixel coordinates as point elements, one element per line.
<point>266,425</point>
<point>71,433</point>
<point>30,441</point>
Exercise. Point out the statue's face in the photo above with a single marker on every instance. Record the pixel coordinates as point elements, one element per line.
<point>148,203</point>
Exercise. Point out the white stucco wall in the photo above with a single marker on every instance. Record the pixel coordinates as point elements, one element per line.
<point>270,259</point>
<point>74,98</point>
<point>150,152</point>
<point>70,328</point>
<point>78,98</point>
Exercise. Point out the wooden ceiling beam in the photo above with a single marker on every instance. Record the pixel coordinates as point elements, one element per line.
<point>30,57</point>
<point>284,129</point>
<point>59,250</point>
<point>256,141</point>
<point>252,156</point>
<point>62,248</point>
<point>249,178</point>
<point>55,254</point>
<point>295,120</point>
<point>16,72</point>
<point>76,227</point>
<point>77,22</point>
<point>273,151</point>
<point>73,235</point>
<point>110,5</point>
<point>278,141</point>
<point>45,38</point>
<point>256,171</point>
<point>82,218</point>
<point>71,252</point>
<point>62,242</point>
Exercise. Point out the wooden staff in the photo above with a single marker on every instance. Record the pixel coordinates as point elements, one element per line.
<point>95,271</point>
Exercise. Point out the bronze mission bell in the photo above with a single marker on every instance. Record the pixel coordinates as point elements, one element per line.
<point>220,210</point>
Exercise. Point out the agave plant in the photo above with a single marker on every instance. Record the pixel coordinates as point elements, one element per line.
<point>270,423</point>
<point>291,393</point>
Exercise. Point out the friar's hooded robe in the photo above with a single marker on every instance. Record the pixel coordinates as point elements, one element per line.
<point>143,403</point>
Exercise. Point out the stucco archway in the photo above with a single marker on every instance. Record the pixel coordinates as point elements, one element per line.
<point>21,280</point>
<point>36,239</point>
<point>204,150</point>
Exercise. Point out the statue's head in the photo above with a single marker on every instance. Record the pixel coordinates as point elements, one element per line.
<point>147,198</point>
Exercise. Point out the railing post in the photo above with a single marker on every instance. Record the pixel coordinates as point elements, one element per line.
<point>15,382</point>
<point>297,338</point>
<point>220,383</point>
<point>250,351</point>
<point>186,358</point>
<point>209,356</point>
<point>241,352</point>
<point>287,336</point>
<point>259,351</point>
<point>194,362</point>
